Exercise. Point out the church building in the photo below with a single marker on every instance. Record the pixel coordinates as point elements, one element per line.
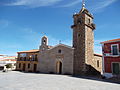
<point>78,59</point>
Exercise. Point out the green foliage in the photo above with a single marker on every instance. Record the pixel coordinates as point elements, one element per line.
<point>8,66</point>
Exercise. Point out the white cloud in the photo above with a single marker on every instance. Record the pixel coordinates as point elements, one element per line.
<point>33,3</point>
<point>98,46</point>
<point>103,4</point>
<point>71,4</point>
<point>9,48</point>
<point>98,49</point>
<point>96,5</point>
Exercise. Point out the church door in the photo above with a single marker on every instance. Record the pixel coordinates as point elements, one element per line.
<point>59,67</point>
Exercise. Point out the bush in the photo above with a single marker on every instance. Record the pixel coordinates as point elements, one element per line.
<point>8,66</point>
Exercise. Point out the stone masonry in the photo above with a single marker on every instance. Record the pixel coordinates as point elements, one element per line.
<point>83,41</point>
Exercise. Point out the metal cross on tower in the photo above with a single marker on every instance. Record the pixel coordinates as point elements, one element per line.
<point>43,33</point>
<point>83,3</point>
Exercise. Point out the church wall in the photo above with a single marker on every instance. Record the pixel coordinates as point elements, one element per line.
<point>89,45</point>
<point>49,58</point>
<point>97,60</point>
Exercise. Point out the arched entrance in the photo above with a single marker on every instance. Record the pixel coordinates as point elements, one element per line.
<point>35,68</point>
<point>24,67</point>
<point>59,67</point>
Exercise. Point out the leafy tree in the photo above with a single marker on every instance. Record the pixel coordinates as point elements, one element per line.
<point>8,66</point>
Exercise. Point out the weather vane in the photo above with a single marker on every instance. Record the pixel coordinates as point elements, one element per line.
<point>44,33</point>
<point>83,3</point>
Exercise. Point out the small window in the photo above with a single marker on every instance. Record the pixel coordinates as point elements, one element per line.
<point>98,63</point>
<point>59,51</point>
<point>78,35</point>
<point>115,50</point>
<point>28,65</point>
<point>89,21</point>
<point>19,65</point>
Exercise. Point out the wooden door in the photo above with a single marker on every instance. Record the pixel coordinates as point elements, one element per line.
<point>24,67</point>
<point>35,68</point>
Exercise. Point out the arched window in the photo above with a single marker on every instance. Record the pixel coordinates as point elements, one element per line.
<point>89,21</point>
<point>79,35</point>
<point>28,65</point>
<point>19,65</point>
<point>59,51</point>
<point>97,63</point>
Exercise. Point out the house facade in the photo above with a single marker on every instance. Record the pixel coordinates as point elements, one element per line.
<point>5,60</point>
<point>111,57</point>
<point>27,60</point>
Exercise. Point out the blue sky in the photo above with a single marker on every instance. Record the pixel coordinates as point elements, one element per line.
<point>23,22</point>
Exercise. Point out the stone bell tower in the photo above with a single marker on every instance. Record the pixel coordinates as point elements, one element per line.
<point>44,43</point>
<point>83,40</point>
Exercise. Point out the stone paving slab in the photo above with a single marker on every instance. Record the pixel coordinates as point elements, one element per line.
<point>15,80</point>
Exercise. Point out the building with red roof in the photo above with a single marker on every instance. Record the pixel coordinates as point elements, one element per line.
<point>111,57</point>
<point>4,60</point>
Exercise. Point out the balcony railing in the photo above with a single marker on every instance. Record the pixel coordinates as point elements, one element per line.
<point>110,54</point>
<point>25,59</point>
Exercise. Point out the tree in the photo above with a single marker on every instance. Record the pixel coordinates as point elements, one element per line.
<point>8,66</point>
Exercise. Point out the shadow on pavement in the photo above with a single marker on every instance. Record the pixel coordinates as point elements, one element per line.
<point>98,79</point>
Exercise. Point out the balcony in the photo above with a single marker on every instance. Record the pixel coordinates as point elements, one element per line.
<point>27,59</point>
<point>111,55</point>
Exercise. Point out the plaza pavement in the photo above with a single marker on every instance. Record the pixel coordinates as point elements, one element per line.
<point>15,80</point>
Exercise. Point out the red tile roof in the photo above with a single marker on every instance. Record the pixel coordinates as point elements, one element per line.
<point>113,40</point>
<point>33,50</point>
<point>9,60</point>
<point>50,47</point>
<point>29,51</point>
<point>1,55</point>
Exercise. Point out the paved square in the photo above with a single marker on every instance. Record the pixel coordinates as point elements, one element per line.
<point>29,81</point>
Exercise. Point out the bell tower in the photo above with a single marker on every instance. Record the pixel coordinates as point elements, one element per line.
<point>44,43</point>
<point>83,40</point>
